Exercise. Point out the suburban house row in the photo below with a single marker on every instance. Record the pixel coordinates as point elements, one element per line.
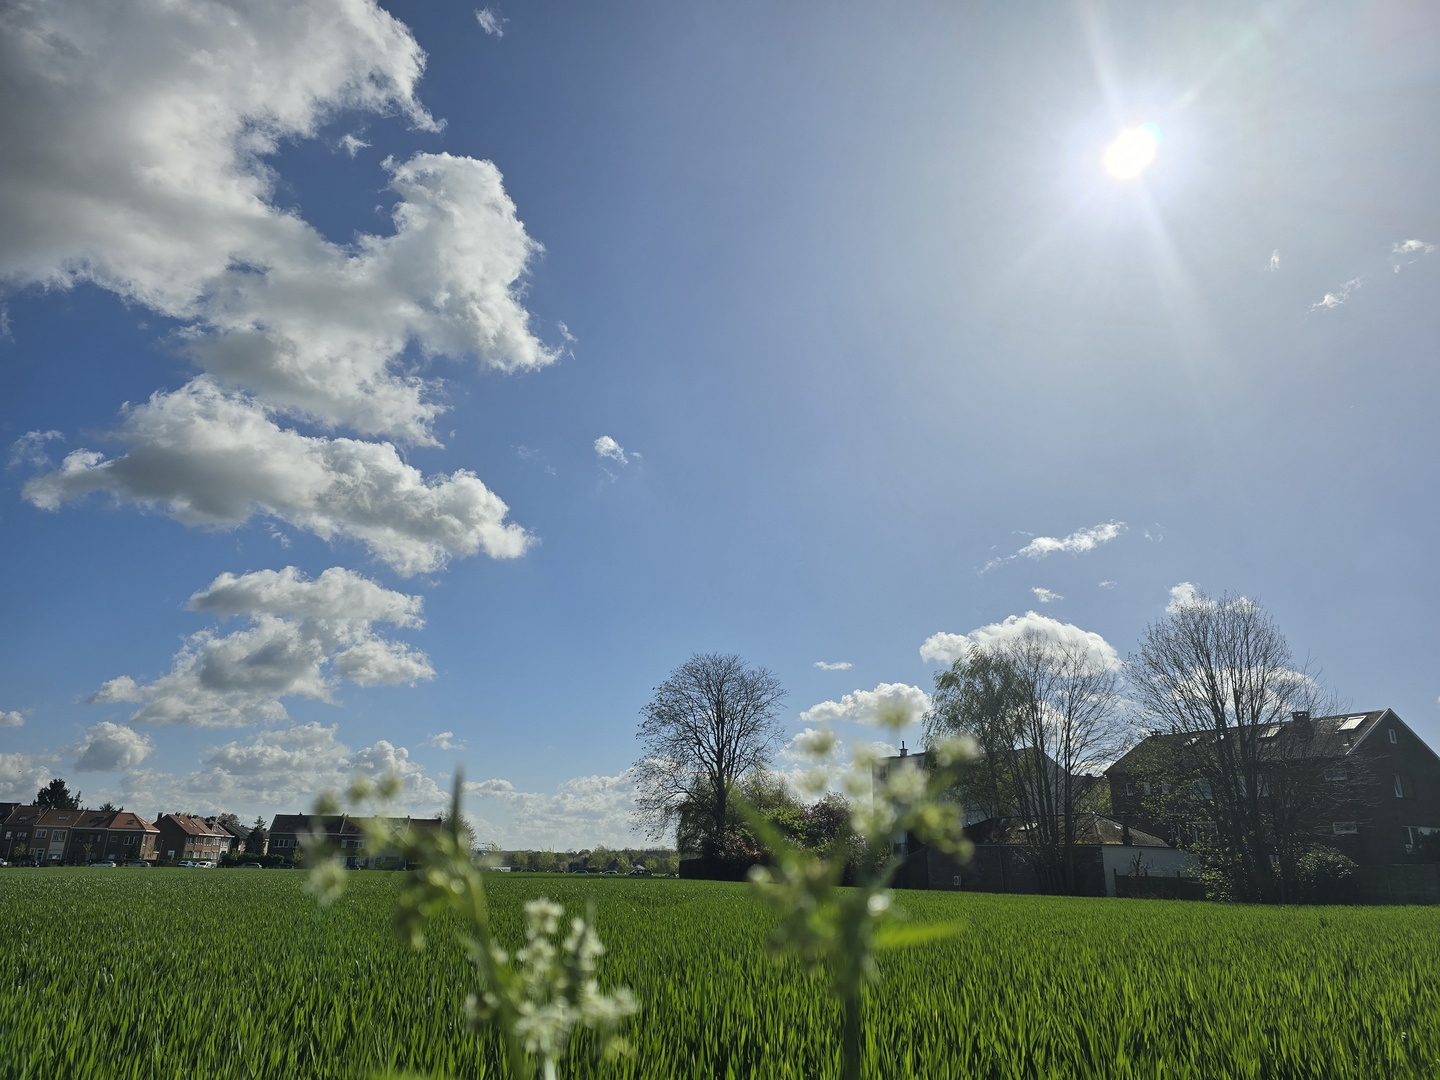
<point>1373,795</point>
<point>43,836</point>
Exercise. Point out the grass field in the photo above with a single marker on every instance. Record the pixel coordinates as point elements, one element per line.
<point>184,973</point>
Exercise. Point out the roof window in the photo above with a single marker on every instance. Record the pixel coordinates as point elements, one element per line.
<point>1270,732</point>
<point>1352,722</point>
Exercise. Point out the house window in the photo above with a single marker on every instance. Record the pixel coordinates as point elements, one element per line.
<point>1204,790</point>
<point>1344,828</point>
<point>1146,788</point>
<point>39,834</point>
<point>1164,789</point>
<point>58,834</point>
<point>1413,833</point>
<point>1336,774</point>
<point>1393,739</point>
<point>1129,787</point>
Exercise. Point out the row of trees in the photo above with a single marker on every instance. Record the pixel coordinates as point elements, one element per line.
<point>593,860</point>
<point>1047,713</point>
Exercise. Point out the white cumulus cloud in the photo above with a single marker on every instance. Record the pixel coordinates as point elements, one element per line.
<point>606,447</point>
<point>946,648</point>
<point>22,775</point>
<point>207,456</point>
<point>284,771</point>
<point>867,706</point>
<point>108,747</point>
<point>444,741</point>
<point>12,719</point>
<point>137,141</point>
<point>578,813</point>
<point>303,637</point>
<point>1182,595</point>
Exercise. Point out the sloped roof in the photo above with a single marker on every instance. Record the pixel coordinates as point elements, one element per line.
<point>288,823</point>
<point>1089,829</point>
<point>194,826</point>
<point>24,815</point>
<point>125,820</point>
<point>1319,737</point>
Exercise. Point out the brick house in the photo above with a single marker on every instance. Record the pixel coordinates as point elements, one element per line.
<point>236,834</point>
<point>343,833</point>
<point>189,838</point>
<point>52,835</point>
<point>1374,785</point>
<point>117,835</point>
<point>18,833</point>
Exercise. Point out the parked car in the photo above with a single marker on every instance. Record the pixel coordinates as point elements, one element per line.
<point>138,864</point>
<point>104,862</point>
<point>610,873</point>
<point>249,866</point>
<point>3,863</point>
<point>187,863</point>
<point>639,871</point>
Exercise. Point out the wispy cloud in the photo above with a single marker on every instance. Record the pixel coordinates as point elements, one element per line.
<point>29,449</point>
<point>841,665</point>
<point>1336,298</point>
<point>1275,260</point>
<point>1081,540</point>
<point>490,22</point>
<point>1045,596</point>
<point>352,144</point>
<point>1409,251</point>
<point>1107,584</point>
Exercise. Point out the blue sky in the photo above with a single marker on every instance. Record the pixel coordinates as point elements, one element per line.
<point>848,289</point>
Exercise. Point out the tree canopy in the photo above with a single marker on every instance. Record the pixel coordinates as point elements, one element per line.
<point>56,796</point>
<point>712,722</point>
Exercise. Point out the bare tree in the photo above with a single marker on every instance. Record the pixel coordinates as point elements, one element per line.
<point>710,723</point>
<point>1044,711</point>
<point>1220,673</point>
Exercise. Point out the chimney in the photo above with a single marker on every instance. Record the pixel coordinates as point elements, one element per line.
<point>903,751</point>
<point>1302,716</point>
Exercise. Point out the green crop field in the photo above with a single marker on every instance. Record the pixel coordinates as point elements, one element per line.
<point>115,973</point>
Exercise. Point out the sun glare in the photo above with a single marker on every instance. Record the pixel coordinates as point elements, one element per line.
<point>1132,151</point>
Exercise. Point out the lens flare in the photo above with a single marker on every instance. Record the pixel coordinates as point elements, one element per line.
<point>1132,152</point>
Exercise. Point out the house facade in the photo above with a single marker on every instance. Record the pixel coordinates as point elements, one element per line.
<point>184,837</point>
<point>343,834</point>
<point>41,836</point>
<point>1365,783</point>
<point>18,832</point>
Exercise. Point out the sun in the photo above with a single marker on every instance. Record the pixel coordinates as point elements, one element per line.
<point>1132,152</point>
